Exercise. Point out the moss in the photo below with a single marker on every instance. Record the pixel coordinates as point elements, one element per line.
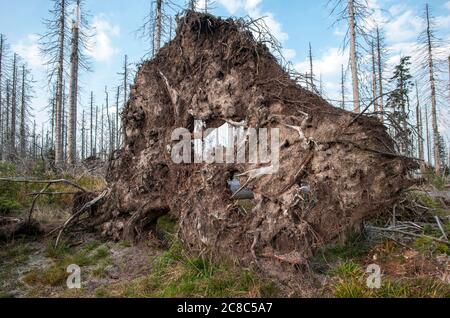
<point>52,276</point>
<point>427,246</point>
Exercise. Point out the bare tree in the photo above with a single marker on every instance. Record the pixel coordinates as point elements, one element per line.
<point>83,137</point>
<point>7,121</point>
<point>125,85</point>
<point>91,130</point>
<point>419,127</point>
<point>427,127</point>
<point>311,69</point>
<point>356,13</point>
<point>78,59</point>
<point>117,134</point>
<point>2,58</point>
<point>26,91</point>
<point>95,131</point>
<point>12,138</point>
<point>374,79</point>
<point>380,52</point>
<point>342,87</point>
<point>158,25</point>
<point>53,46</point>
<point>353,52</point>
<point>73,89</point>
<point>429,45</point>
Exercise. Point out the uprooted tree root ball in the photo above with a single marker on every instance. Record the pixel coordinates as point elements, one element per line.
<point>215,71</point>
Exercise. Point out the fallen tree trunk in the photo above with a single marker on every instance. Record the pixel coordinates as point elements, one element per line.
<point>336,168</point>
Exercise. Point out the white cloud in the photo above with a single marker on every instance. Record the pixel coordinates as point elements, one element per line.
<point>232,6</point>
<point>101,47</point>
<point>447,5</point>
<point>28,49</point>
<point>329,65</point>
<point>405,26</point>
<point>253,9</point>
<point>289,54</point>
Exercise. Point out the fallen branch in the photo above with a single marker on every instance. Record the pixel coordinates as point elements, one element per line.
<point>73,184</point>
<point>408,234</point>
<point>80,212</point>
<point>52,193</point>
<point>441,228</point>
<point>30,213</point>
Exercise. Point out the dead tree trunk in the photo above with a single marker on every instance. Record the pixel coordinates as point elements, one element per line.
<point>342,87</point>
<point>353,56</point>
<point>434,121</point>
<point>427,127</point>
<point>59,87</point>
<point>125,89</point>
<point>91,131</point>
<point>380,74</point>
<point>7,121</point>
<point>117,131</point>
<point>73,94</point>
<point>419,127</point>
<point>311,69</point>
<point>1,96</point>
<point>374,80</point>
<point>23,116</point>
<point>158,27</point>
<point>95,130</point>
<point>83,138</point>
<point>12,138</point>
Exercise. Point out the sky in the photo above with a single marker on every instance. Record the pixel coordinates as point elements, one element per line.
<point>294,23</point>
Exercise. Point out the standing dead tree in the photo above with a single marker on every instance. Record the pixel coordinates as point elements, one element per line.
<point>3,51</point>
<point>419,126</point>
<point>80,35</point>
<point>157,25</point>
<point>54,46</point>
<point>73,88</point>
<point>356,14</point>
<point>381,52</point>
<point>126,75</point>
<point>12,137</point>
<point>428,55</point>
<point>25,110</point>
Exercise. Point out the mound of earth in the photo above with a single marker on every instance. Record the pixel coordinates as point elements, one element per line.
<point>336,169</point>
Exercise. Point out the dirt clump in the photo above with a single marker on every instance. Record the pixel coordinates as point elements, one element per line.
<point>336,168</point>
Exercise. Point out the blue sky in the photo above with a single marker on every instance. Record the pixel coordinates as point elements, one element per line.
<point>295,23</point>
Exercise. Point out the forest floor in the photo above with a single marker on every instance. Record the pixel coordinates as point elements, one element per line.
<point>160,267</point>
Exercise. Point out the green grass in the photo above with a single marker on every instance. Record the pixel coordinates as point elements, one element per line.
<point>438,181</point>
<point>427,246</point>
<point>178,274</point>
<point>349,281</point>
<point>354,248</point>
<point>92,254</point>
<point>14,196</point>
<point>166,227</point>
